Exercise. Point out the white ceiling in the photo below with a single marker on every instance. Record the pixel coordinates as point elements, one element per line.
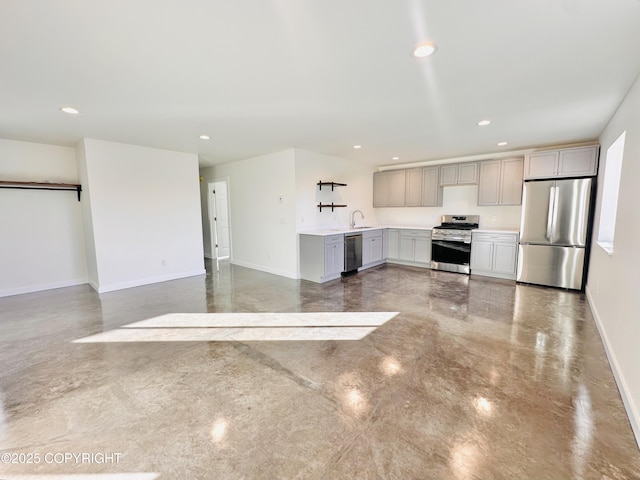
<point>260,76</point>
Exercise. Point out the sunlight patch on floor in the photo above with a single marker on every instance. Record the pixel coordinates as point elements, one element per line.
<point>244,327</point>
<point>84,476</point>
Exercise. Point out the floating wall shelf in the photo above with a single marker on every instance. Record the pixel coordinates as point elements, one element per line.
<point>329,205</point>
<point>42,186</point>
<point>333,184</point>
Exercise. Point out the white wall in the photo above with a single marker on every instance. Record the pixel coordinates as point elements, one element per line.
<point>263,230</point>
<point>89,241</point>
<point>357,195</point>
<point>144,211</point>
<point>613,287</point>
<point>41,237</point>
<point>460,200</point>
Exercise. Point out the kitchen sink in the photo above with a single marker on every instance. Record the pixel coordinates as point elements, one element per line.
<point>346,229</point>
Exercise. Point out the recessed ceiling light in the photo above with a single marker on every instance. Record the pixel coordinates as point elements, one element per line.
<point>502,144</point>
<point>395,158</point>
<point>357,146</point>
<point>70,110</point>
<point>205,137</point>
<point>483,123</point>
<point>424,50</point>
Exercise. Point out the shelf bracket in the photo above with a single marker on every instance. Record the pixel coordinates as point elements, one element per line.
<point>333,184</point>
<point>329,205</point>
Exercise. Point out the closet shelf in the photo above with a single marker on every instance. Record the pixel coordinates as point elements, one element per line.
<point>41,186</point>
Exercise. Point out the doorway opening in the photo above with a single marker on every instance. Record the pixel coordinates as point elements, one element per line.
<point>219,224</point>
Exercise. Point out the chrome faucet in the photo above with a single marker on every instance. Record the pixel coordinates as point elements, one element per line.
<point>353,221</point>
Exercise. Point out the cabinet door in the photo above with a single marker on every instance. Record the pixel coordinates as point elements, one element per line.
<point>511,181</point>
<point>541,165</point>
<point>468,173</point>
<point>489,183</point>
<point>413,193</point>
<point>422,250</point>
<point>448,174</point>
<point>376,249</point>
<point>333,258</point>
<point>394,242</point>
<point>396,188</point>
<point>431,191</point>
<point>504,258</point>
<point>406,248</point>
<point>578,162</point>
<point>381,189</point>
<point>481,255</point>
<point>367,250</point>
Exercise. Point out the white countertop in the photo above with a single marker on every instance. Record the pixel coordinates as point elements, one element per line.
<point>329,230</point>
<point>324,231</point>
<point>497,230</point>
<point>410,227</point>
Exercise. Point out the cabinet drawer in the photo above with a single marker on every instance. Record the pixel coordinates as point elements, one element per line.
<point>416,233</point>
<point>371,234</point>
<point>495,237</point>
<point>334,239</point>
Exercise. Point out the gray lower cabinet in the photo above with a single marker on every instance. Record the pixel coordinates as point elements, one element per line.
<point>500,182</point>
<point>393,243</point>
<point>412,247</point>
<point>321,257</point>
<point>372,248</point>
<point>494,254</point>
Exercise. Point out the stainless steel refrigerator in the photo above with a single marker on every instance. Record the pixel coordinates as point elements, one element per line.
<point>554,232</point>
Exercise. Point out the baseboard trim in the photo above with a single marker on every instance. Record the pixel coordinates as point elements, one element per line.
<point>42,287</point>
<point>149,280</point>
<point>262,268</point>
<point>627,399</point>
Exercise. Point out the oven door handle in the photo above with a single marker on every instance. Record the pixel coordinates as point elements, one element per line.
<point>451,240</point>
<point>452,245</point>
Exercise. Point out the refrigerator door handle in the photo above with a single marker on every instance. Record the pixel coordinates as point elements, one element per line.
<point>556,198</point>
<point>550,215</point>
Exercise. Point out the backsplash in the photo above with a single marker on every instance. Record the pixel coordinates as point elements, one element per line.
<point>456,200</point>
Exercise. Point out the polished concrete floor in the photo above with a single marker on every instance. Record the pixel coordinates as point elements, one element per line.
<point>473,378</point>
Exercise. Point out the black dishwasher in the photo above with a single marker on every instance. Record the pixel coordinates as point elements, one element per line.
<point>352,253</point>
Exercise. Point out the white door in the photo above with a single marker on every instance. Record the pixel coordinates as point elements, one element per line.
<point>220,219</point>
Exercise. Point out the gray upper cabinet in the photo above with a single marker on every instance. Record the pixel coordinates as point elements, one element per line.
<point>578,162</point>
<point>567,162</point>
<point>500,182</point>
<point>413,192</point>
<point>459,174</point>
<point>389,188</point>
<point>413,187</point>
<point>449,175</point>
<point>431,191</point>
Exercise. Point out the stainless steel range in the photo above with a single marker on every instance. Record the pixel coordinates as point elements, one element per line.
<point>451,243</point>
